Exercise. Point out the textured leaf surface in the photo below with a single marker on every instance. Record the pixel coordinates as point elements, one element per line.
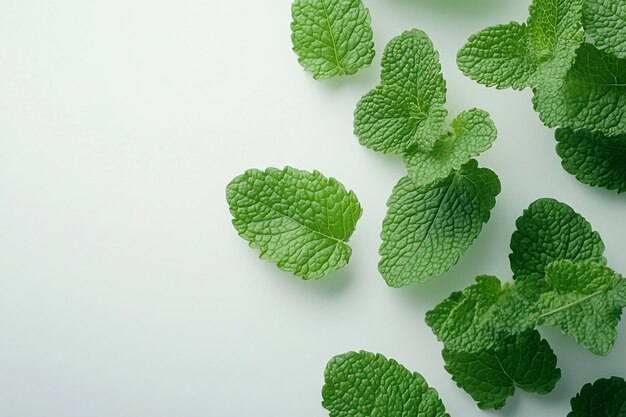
<point>592,96</point>
<point>549,230</point>
<point>604,21</point>
<point>603,398</point>
<point>298,219</point>
<point>585,301</point>
<point>479,317</point>
<point>332,37</point>
<point>364,384</point>
<point>428,228</point>
<point>499,57</point>
<point>521,55</point>
<point>523,361</point>
<point>406,110</point>
<point>472,132</point>
<point>593,158</point>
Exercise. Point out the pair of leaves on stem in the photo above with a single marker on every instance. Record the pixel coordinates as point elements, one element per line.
<point>363,384</point>
<point>439,208</point>
<point>578,86</point>
<point>560,279</point>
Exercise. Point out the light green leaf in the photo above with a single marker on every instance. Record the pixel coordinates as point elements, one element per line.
<point>478,318</point>
<point>521,55</point>
<point>603,398</point>
<point>406,110</point>
<point>522,361</point>
<point>472,132</point>
<point>592,96</point>
<point>604,22</point>
<point>499,56</point>
<point>299,220</point>
<point>549,230</point>
<point>364,384</point>
<point>429,227</point>
<point>586,301</point>
<point>332,37</point>
<point>593,158</point>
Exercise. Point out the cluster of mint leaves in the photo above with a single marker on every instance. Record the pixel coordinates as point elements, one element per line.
<point>438,209</point>
<point>303,220</point>
<point>367,384</point>
<point>572,54</point>
<point>560,279</point>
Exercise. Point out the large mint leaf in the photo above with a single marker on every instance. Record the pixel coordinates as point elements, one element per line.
<point>472,132</point>
<point>521,55</point>
<point>299,220</point>
<point>523,361</point>
<point>603,398</point>
<point>365,384</point>
<point>586,301</point>
<point>406,110</point>
<point>591,97</point>
<point>549,230</point>
<point>594,158</point>
<point>604,22</point>
<point>429,227</point>
<point>332,37</point>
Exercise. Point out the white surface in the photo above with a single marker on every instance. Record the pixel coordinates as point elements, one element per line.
<point>125,291</point>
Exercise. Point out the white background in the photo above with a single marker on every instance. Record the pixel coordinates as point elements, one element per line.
<point>124,289</point>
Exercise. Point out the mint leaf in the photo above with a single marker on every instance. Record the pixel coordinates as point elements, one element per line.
<point>332,37</point>
<point>594,158</point>
<point>591,97</point>
<point>549,230</point>
<point>299,220</point>
<point>585,301</point>
<point>479,317</point>
<point>428,228</point>
<point>406,110</point>
<point>523,361</point>
<point>521,55</point>
<point>604,22</point>
<point>603,398</point>
<point>366,384</point>
<point>472,133</point>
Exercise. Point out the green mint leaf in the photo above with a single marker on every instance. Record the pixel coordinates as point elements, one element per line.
<point>603,398</point>
<point>429,227</point>
<point>299,220</point>
<point>521,55</point>
<point>549,230</point>
<point>591,97</point>
<point>406,110</point>
<point>586,301</point>
<point>604,22</point>
<point>365,384</point>
<point>499,57</point>
<point>522,361</point>
<point>472,132</point>
<point>595,159</point>
<point>479,317</point>
<point>332,37</point>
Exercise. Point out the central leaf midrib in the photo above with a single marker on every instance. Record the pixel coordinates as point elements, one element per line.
<point>567,306</point>
<point>332,36</point>
<point>337,241</point>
